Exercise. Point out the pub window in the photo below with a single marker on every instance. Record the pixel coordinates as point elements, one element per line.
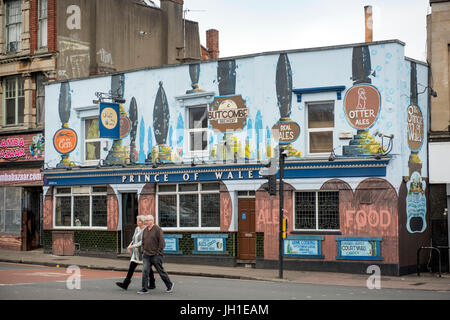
<point>198,129</point>
<point>316,211</point>
<point>10,210</point>
<point>92,142</point>
<point>189,206</point>
<point>13,25</point>
<point>320,127</point>
<point>42,23</point>
<point>40,98</point>
<point>14,100</point>
<point>78,207</point>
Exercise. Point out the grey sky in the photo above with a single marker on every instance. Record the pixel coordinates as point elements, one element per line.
<point>252,26</point>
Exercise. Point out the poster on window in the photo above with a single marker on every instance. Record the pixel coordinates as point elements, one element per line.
<point>109,124</point>
<point>209,243</point>
<point>303,247</point>
<point>358,248</point>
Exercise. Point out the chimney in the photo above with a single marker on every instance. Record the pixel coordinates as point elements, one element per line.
<point>368,23</point>
<point>212,43</point>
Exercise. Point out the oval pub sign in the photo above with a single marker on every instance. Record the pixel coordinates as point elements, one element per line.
<point>362,105</point>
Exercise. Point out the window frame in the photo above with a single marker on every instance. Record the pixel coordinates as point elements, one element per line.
<point>85,141</point>
<point>17,91</point>
<point>316,214</point>
<point>199,192</point>
<point>8,25</point>
<point>41,19</point>
<point>314,130</point>
<point>16,212</point>
<point>203,152</point>
<point>73,194</point>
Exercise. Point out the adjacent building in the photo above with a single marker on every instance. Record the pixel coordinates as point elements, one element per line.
<point>187,143</point>
<point>438,44</point>
<point>47,40</point>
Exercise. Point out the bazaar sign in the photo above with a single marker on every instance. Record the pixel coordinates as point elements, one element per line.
<point>228,113</point>
<point>27,147</point>
<point>362,105</point>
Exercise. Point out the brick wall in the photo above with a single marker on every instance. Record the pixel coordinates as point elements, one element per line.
<point>33,25</point>
<point>52,30</point>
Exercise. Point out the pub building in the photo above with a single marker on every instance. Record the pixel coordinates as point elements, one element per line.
<point>189,143</point>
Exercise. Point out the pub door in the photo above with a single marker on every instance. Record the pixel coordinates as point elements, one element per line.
<point>129,209</point>
<point>246,230</point>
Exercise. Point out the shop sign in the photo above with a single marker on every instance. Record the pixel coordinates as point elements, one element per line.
<point>209,243</point>
<point>362,105</point>
<point>172,243</point>
<point>286,132</point>
<point>65,140</point>
<point>20,177</point>
<point>414,127</point>
<point>303,247</point>
<point>109,120</point>
<point>28,147</point>
<point>228,113</point>
<point>358,248</point>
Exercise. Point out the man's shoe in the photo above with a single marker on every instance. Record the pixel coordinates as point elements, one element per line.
<point>124,285</point>
<point>169,290</point>
<point>152,287</point>
<point>142,291</point>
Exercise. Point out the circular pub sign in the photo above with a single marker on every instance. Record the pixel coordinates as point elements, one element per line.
<point>109,118</point>
<point>362,105</point>
<point>286,131</point>
<point>414,127</point>
<point>65,140</point>
<point>125,126</point>
<point>228,113</point>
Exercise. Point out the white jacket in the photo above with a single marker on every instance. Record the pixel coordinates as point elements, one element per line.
<point>136,253</point>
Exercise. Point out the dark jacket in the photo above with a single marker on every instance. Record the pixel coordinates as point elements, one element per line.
<point>153,241</point>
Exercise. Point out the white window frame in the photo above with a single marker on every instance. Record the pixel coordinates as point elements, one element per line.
<point>85,141</point>
<point>8,25</point>
<point>313,130</point>
<point>19,92</point>
<point>199,153</point>
<point>199,192</point>
<point>42,24</point>
<point>73,194</point>
<point>316,211</point>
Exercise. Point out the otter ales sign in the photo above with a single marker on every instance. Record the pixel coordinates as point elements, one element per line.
<point>362,105</point>
<point>414,127</point>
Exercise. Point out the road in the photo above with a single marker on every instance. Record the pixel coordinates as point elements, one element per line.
<point>30,282</point>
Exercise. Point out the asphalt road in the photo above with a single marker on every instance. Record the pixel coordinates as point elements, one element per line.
<point>30,282</point>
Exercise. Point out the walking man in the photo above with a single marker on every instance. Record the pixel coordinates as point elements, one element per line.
<point>153,249</point>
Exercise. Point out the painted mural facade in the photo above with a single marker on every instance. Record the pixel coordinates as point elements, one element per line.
<point>194,138</point>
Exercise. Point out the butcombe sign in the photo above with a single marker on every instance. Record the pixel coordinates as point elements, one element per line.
<point>228,113</point>
<point>362,105</point>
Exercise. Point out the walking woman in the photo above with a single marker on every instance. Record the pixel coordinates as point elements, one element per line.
<point>135,248</point>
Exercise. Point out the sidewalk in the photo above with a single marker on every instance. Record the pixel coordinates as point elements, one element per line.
<point>425,281</point>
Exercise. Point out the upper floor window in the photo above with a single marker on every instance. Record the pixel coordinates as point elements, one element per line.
<point>14,100</point>
<point>198,129</point>
<point>13,25</point>
<point>42,24</point>
<point>40,98</point>
<point>320,127</point>
<point>92,142</point>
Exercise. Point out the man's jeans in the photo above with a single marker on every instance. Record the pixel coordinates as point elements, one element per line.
<point>157,262</point>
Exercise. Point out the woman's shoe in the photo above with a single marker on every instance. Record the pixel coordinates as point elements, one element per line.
<point>124,285</point>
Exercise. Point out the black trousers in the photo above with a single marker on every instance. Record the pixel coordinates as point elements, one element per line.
<point>156,261</point>
<point>131,270</point>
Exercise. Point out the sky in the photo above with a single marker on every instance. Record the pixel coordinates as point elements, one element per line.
<point>254,26</point>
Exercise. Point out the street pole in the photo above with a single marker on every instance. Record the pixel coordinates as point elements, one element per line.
<point>280,245</point>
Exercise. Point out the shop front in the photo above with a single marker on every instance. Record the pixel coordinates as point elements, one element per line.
<point>355,176</point>
<point>21,181</point>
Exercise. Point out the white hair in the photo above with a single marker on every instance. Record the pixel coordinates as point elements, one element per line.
<point>150,217</point>
<point>141,218</point>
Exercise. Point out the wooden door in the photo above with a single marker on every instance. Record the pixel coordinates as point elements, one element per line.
<point>246,229</point>
<point>129,214</point>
